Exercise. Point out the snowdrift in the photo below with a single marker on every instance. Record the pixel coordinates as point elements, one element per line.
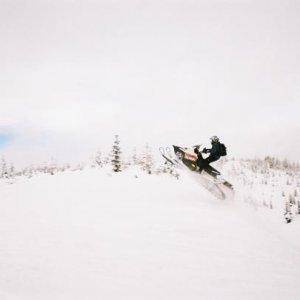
<point>96,235</point>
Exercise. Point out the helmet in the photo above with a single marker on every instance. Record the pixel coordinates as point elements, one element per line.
<point>214,139</point>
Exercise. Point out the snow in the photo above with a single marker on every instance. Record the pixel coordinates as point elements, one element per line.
<point>95,235</point>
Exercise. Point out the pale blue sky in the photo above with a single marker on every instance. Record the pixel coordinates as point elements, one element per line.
<point>4,139</point>
<point>74,73</point>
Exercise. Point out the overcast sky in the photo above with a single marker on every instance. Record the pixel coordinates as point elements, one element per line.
<point>74,73</point>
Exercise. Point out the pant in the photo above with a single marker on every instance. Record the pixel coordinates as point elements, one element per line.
<point>202,163</point>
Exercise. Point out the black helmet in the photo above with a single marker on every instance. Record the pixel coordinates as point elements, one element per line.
<point>214,139</point>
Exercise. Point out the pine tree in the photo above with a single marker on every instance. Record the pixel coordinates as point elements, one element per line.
<point>98,159</point>
<point>168,168</point>
<point>116,155</point>
<point>11,171</point>
<point>3,168</point>
<point>135,158</point>
<point>271,205</point>
<point>288,214</point>
<point>147,160</point>
<point>292,200</point>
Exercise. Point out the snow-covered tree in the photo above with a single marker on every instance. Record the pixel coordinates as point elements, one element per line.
<point>116,155</point>
<point>288,214</point>
<point>98,159</point>
<point>292,200</point>
<point>3,168</point>
<point>135,158</point>
<point>271,205</point>
<point>6,170</point>
<point>168,168</point>
<point>147,160</point>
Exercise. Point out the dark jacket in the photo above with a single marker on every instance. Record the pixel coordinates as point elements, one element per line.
<point>215,151</point>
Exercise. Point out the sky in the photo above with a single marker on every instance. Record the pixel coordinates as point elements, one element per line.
<point>75,73</point>
<point>3,140</point>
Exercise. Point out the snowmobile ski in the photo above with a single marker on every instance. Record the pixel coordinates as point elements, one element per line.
<point>166,153</point>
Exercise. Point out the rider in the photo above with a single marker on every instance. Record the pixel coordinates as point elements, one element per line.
<point>215,152</point>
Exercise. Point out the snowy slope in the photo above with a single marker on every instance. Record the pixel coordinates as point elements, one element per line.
<point>93,235</point>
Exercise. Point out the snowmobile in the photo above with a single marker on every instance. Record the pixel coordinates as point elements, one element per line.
<point>209,177</point>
